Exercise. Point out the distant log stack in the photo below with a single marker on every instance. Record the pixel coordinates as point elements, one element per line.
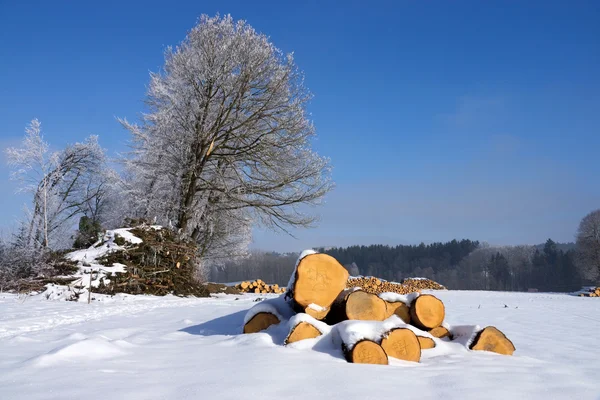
<point>372,326</point>
<point>592,292</point>
<point>258,286</point>
<point>409,285</point>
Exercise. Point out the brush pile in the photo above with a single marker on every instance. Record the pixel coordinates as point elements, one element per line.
<point>158,263</point>
<point>370,319</point>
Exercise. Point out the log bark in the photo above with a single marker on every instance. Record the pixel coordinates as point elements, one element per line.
<point>403,344</point>
<point>319,279</point>
<point>260,322</point>
<point>427,312</point>
<point>398,308</point>
<point>366,352</point>
<point>492,339</point>
<point>303,330</point>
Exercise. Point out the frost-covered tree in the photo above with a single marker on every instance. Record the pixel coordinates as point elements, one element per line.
<point>62,184</point>
<point>226,143</point>
<point>588,246</point>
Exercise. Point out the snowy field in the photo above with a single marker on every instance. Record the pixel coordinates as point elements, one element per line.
<point>139,347</point>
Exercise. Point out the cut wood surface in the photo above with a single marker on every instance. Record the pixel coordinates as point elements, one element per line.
<point>317,314</point>
<point>492,339</point>
<point>427,312</point>
<point>440,332</point>
<point>366,352</point>
<point>365,306</point>
<point>425,342</point>
<point>303,330</point>
<point>319,279</point>
<point>398,308</point>
<point>403,344</point>
<point>260,322</point>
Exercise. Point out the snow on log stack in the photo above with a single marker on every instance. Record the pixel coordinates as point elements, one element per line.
<point>369,319</point>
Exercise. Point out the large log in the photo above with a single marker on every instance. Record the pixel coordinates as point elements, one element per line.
<point>365,306</point>
<point>403,344</point>
<point>398,308</point>
<point>492,339</point>
<point>427,312</point>
<point>365,352</point>
<point>303,330</point>
<point>357,305</point>
<point>260,322</point>
<point>318,280</point>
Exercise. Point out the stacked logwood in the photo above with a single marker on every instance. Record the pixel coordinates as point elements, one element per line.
<point>592,292</point>
<point>375,319</point>
<point>374,285</point>
<point>259,286</point>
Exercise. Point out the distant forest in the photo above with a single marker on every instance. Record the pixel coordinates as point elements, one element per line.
<point>464,264</point>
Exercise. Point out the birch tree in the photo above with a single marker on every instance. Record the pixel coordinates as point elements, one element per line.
<point>60,183</point>
<point>225,142</point>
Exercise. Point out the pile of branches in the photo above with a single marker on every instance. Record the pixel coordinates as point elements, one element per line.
<point>162,264</point>
<point>27,270</point>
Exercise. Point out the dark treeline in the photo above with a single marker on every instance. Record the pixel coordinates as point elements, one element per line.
<point>464,264</point>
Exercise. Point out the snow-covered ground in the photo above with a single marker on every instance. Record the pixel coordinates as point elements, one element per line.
<point>140,347</point>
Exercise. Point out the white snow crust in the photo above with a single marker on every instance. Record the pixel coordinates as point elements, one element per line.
<point>277,306</point>
<point>87,261</point>
<point>316,307</point>
<point>150,348</point>
<point>395,297</point>
<point>302,317</point>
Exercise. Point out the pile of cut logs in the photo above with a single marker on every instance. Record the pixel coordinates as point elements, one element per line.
<point>258,286</point>
<point>593,292</point>
<point>320,289</point>
<point>409,285</point>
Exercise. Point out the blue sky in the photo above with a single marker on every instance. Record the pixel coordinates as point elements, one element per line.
<point>442,119</point>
